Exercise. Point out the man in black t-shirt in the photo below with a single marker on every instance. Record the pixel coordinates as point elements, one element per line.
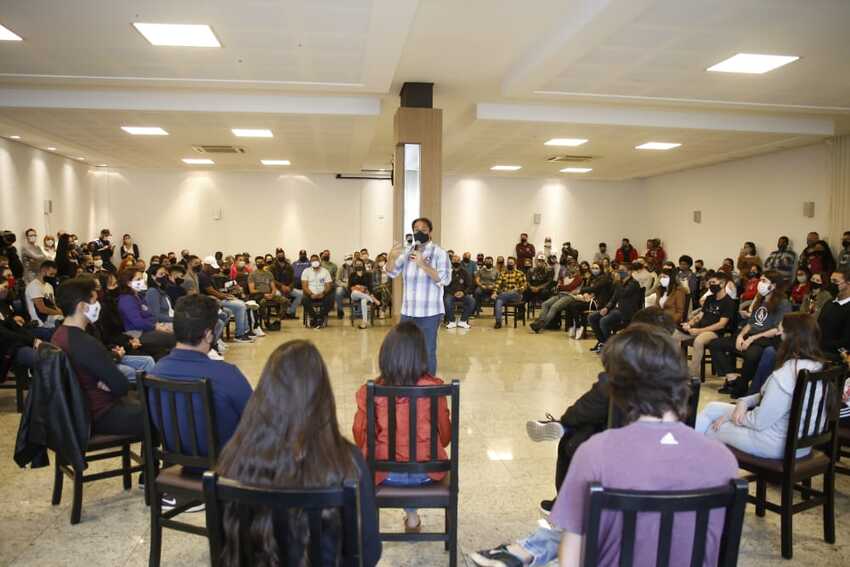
<point>834,318</point>
<point>710,322</point>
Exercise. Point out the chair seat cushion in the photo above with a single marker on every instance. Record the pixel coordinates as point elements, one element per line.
<point>177,478</point>
<point>433,490</point>
<point>815,463</point>
<point>103,441</point>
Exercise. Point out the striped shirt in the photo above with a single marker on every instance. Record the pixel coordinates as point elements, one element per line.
<point>423,297</point>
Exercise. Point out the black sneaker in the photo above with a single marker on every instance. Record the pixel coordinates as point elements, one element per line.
<point>537,326</point>
<point>340,314</point>
<point>168,503</point>
<point>546,506</point>
<point>498,325</point>
<point>598,347</point>
<point>243,339</point>
<point>496,557</point>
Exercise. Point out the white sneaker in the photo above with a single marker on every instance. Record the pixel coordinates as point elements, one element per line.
<point>463,325</point>
<point>548,429</point>
<point>572,332</point>
<point>259,332</point>
<point>451,325</point>
<point>251,304</point>
<point>579,332</point>
<point>213,355</point>
<point>221,346</point>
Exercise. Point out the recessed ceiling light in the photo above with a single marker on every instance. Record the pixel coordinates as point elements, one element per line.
<point>252,133</point>
<point>50,149</point>
<point>14,137</point>
<point>102,165</point>
<point>572,142</point>
<point>198,161</point>
<point>274,161</point>
<point>8,35</point>
<point>144,130</point>
<point>79,158</point>
<point>657,146</point>
<point>178,35</point>
<point>577,170</point>
<point>506,168</point>
<point>752,63</point>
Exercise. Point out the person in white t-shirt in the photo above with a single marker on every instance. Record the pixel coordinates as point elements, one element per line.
<point>317,285</point>
<point>40,301</point>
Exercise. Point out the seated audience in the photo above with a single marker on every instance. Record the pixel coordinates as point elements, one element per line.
<point>325,257</point>
<point>261,288</point>
<point>129,248</point>
<point>843,254</point>
<point>510,286</point>
<point>41,303</point>
<point>16,340</point>
<point>800,288</point>
<point>301,447</point>
<point>783,259</point>
<point>672,297</point>
<point>174,288</point>
<point>760,332</point>
<point>655,254</point>
<point>341,283</point>
<point>627,299</point>
<point>747,258</point>
<point>568,285</point>
<point>819,260</point>
<point>138,321</point>
<point>714,318</point>
<point>49,247</point>
<point>298,267</point>
<point>226,300</point>
<point>601,254</point>
<point>104,386</point>
<point>647,280</point>
<point>32,256</point>
<point>758,424</point>
<point>157,299</point>
<point>317,287</point>
<point>540,280</point>
<point>383,289</point>
<point>403,361</point>
<point>286,283</point>
<point>360,289</point>
<point>468,264</point>
<point>485,281</point>
<point>834,318</point>
<point>816,297</point>
<point>461,289</point>
<point>597,292</point>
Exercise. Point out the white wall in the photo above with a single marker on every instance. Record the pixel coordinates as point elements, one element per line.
<point>756,199</point>
<point>28,177</point>
<point>488,214</point>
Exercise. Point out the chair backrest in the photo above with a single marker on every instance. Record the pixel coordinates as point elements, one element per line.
<point>413,394</point>
<point>169,407</point>
<point>814,411</point>
<point>248,501</point>
<point>665,505</point>
<point>617,419</point>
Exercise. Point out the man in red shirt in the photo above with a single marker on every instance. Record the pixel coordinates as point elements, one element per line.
<point>524,253</point>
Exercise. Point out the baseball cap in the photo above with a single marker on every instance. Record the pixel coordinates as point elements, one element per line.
<point>210,261</point>
<point>541,256</point>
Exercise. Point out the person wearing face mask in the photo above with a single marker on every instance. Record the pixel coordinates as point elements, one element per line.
<point>672,297</point>
<point>461,289</point>
<point>568,282</point>
<point>317,285</point>
<point>811,239</point>
<point>598,291</point>
<point>568,253</point>
<point>820,260</point>
<point>383,288</point>
<point>647,280</point>
<point>128,247</point>
<point>817,296</point>
<point>524,253</point>
<point>761,331</point>
<point>104,249</point>
<point>750,290</point>
<point>176,276</point>
<point>298,267</point>
<point>360,288</point>
<point>510,285</point>
<point>284,277</point>
<point>139,322</point>
<point>834,318</point>
<point>655,253</point>
<point>485,282</point>
<point>540,282</point>
<point>106,389</point>
<point>228,301</point>
<point>707,324</point>
<point>844,254</point>
<point>601,254</point>
<point>426,271</point>
<point>800,288</point>
<point>31,255</point>
<point>156,297</point>
<point>49,247</point>
<point>479,260</point>
<point>325,257</point>
<point>626,252</point>
<point>41,303</point>
<point>783,259</point>
<point>469,265</point>
<point>341,283</point>
<point>627,299</point>
<point>16,341</point>
<point>500,264</point>
<point>261,288</point>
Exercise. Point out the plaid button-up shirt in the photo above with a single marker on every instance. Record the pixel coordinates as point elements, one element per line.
<point>423,297</point>
<point>511,279</point>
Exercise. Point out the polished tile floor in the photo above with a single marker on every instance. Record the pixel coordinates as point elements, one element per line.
<point>507,377</point>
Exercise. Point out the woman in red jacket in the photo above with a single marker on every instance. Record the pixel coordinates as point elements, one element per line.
<point>403,361</point>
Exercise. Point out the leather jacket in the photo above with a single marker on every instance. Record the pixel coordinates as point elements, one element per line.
<point>56,414</point>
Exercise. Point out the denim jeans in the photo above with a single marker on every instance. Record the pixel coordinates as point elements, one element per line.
<point>240,313</point>
<point>407,479</point>
<point>553,306</point>
<point>130,364</point>
<point>429,327</point>
<point>364,300</point>
<point>543,544</point>
<point>501,299</point>
<point>297,296</point>
<point>340,294</point>
<point>604,325</point>
<point>764,369</point>
<point>25,356</point>
<point>468,307</point>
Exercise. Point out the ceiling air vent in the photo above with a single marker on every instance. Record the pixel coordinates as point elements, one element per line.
<point>567,158</point>
<point>219,149</point>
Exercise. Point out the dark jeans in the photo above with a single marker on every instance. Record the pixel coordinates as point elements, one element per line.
<point>324,306</point>
<point>723,355</point>
<point>575,312</point>
<point>468,306</point>
<point>429,327</point>
<point>540,296</point>
<point>604,325</point>
<point>764,370</point>
<point>25,356</point>
<point>124,418</point>
<point>43,333</point>
<point>158,340</point>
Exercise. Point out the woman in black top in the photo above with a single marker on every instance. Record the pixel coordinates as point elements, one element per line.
<point>129,248</point>
<point>599,290</point>
<point>360,284</point>
<point>289,437</point>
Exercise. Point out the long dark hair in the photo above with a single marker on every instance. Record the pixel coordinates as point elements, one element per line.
<point>777,296</point>
<point>125,276</point>
<point>288,437</point>
<point>801,339</point>
<point>403,358</point>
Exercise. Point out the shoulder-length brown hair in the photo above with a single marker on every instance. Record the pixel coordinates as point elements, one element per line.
<point>777,296</point>
<point>403,358</point>
<point>288,437</point>
<point>124,278</point>
<point>801,339</point>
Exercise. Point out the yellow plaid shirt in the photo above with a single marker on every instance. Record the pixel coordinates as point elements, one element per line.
<point>508,280</point>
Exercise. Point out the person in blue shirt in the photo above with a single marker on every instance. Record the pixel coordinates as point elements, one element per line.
<point>195,318</point>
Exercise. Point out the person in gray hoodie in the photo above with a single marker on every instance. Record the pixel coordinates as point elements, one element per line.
<point>31,255</point>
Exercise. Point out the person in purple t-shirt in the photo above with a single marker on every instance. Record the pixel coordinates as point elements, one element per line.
<point>648,380</point>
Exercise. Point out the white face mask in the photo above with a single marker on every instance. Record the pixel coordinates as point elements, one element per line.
<point>315,263</point>
<point>765,288</point>
<point>139,285</point>
<point>665,280</point>
<point>731,290</point>
<point>92,311</point>
<point>32,238</point>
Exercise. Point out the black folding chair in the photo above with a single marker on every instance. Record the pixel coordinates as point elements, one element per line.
<point>443,494</point>
<point>179,450</point>
<point>666,505</point>
<point>813,424</point>
<point>221,493</point>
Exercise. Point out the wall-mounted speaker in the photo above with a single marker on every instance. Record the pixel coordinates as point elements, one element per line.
<point>537,218</point>
<point>698,217</point>
<point>809,209</point>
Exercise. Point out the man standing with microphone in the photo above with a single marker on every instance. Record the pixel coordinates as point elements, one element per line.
<point>426,271</point>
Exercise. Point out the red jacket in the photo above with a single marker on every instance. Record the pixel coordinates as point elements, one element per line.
<point>423,428</point>
<point>621,256</point>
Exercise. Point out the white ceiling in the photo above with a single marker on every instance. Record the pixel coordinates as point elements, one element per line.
<point>324,75</point>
